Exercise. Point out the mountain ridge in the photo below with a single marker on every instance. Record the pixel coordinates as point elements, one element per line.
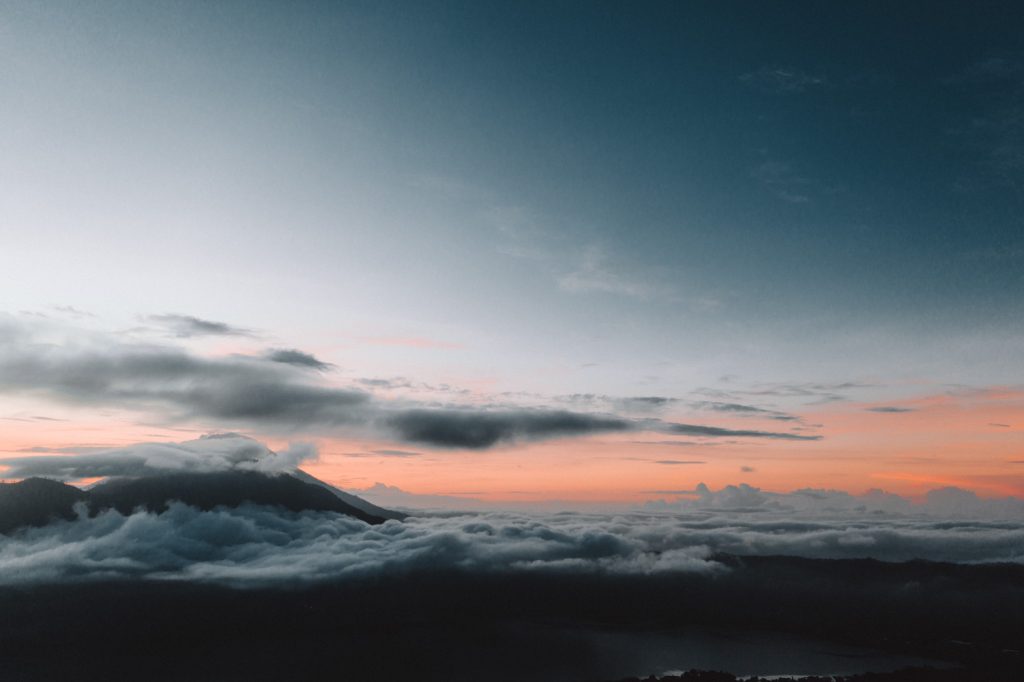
<point>38,501</point>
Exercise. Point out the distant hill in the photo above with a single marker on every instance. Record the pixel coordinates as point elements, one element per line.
<point>37,501</point>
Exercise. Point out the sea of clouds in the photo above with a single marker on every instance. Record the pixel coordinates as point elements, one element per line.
<point>258,545</point>
<point>262,546</point>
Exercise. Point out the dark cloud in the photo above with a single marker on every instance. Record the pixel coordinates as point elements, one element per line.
<point>747,470</point>
<point>645,402</point>
<point>730,407</point>
<point>477,429</point>
<point>298,358</point>
<point>244,392</point>
<point>183,386</point>
<point>385,453</point>
<point>717,432</point>
<point>997,424</point>
<point>185,326</point>
<point>679,461</point>
<point>396,453</point>
<point>398,382</point>
<point>889,409</point>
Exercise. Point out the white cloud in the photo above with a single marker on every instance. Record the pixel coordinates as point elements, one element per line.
<point>219,452</point>
<point>257,545</point>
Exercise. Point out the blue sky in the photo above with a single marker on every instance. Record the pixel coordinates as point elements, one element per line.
<point>560,198</point>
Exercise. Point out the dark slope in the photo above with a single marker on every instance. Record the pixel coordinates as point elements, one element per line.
<point>36,502</point>
<point>229,488</point>
<point>357,502</point>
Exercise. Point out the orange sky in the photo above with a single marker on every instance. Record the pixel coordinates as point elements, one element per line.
<point>972,439</point>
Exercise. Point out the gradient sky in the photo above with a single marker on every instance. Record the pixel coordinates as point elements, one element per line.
<point>797,218</point>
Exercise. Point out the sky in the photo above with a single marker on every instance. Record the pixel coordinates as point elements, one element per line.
<point>525,252</point>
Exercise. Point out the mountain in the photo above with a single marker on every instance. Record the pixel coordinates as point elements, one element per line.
<point>37,501</point>
<point>349,498</point>
<point>225,488</point>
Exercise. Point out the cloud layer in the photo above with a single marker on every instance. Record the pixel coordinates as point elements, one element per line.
<point>277,392</point>
<point>220,452</point>
<point>258,546</point>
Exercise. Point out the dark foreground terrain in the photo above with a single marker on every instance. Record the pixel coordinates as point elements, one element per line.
<point>923,674</point>
<point>511,626</point>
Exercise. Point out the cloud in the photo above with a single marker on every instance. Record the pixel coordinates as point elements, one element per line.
<point>385,453</point>
<point>716,432</point>
<point>480,428</point>
<point>635,404</point>
<point>784,182</point>
<point>72,311</point>
<point>219,452</point>
<point>730,407</point>
<point>889,409</point>
<point>820,392</point>
<point>782,80</point>
<point>179,385</point>
<point>186,326</point>
<point>475,429</point>
<point>1001,70</point>
<point>679,461</point>
<point>595,274</point>
<point>821,504</point>
<point>239,392</point>
<point>253,545</point>
<point>743,410</point>
<point>680,443</point>
<point>298,358</point>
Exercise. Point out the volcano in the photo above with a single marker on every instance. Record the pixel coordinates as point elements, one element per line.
<point>38,501</point>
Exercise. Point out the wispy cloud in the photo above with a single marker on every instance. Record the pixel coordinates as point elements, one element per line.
<point>401,454</point>
<point>715,431</point>
<point>596,273</point>
<point>817,392</point>
<point>186,326</point>
<point>784,182</point>
<point>298,358</point>
<point>674,462</point>
<point>782,80</point>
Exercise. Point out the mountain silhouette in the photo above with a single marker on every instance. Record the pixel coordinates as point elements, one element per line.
<point>38,501</point>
